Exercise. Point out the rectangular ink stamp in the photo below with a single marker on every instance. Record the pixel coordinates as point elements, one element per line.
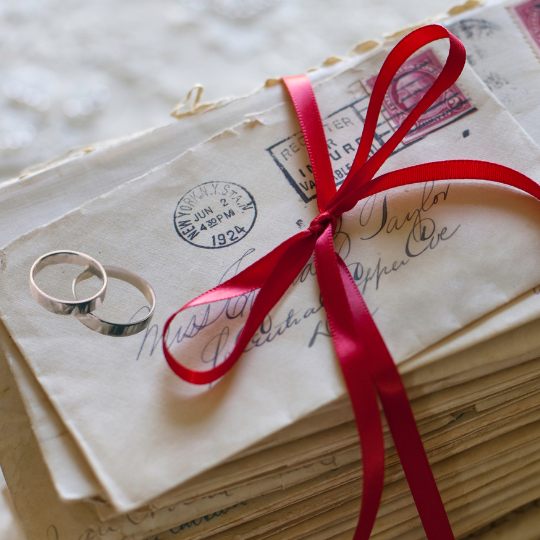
<point>343,127</point>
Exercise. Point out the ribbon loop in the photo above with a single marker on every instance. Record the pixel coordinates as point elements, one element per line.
<point>364,168</point>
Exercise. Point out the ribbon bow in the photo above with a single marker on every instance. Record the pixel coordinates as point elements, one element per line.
<point>368,368</point>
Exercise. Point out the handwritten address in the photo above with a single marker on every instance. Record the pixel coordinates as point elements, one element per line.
<point>418,226</point>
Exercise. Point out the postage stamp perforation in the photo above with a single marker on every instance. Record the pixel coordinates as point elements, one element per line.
<point>526,15</point>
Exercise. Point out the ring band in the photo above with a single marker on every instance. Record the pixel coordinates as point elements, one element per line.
<point>59,305</point>
<point>102,326</point>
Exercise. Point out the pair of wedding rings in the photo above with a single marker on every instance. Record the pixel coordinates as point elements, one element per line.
<point>82,308</point>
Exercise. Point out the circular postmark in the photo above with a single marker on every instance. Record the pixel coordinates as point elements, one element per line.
<point>215,214</point>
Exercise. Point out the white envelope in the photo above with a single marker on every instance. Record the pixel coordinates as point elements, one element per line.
<point>118,398</point>
<point>53,192</point>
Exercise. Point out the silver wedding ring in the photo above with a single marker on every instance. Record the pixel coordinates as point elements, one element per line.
<point>82,308</point>
<point>59,305</point>
<point>102,326</point>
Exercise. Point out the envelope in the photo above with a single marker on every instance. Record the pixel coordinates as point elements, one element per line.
<point>31,484</point>
<point>53,192</point>
<point>46,193</point>
<point>260,166</point>
<point>498,456</point>
<point>437,351</point>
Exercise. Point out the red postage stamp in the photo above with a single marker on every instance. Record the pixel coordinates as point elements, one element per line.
<point>409,85</point>
<point>528,17</point>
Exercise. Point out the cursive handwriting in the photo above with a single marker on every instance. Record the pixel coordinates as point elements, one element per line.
<point>91,533</point>
<point>270,330</point>
<point>419,229</point>
<point>199,521</point>
<point>231,309</point>
<point>384,222</point>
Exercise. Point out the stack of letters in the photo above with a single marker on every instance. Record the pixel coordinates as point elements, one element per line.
<point>101,440</point>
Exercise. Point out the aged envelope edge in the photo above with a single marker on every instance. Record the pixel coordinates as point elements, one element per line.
<point>501,320</point>
<point>192,102</point>
<point>466,7</point>
<point>86,483</point>
<point>196,106</point>
<point>33,171</point>
<point>246,118</point>
<point>92,528</point>
<point>22,444</point>
<point>76,153</point>
<point>247,121</point>
<point>240,126</point>
<point>32,397</point>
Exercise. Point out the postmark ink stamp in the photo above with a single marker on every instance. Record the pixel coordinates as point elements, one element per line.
<point>343,128</point>
<point>215,214</point>
<point>527,14</point>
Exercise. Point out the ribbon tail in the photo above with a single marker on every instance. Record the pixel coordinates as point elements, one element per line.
<point>400,417</point>
<point>351,353</point>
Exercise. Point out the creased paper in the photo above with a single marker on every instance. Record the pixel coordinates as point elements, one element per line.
<point>147,407</point>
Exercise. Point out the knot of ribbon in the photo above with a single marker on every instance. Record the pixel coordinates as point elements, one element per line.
<point>369,371</point>
<point>321,222</point>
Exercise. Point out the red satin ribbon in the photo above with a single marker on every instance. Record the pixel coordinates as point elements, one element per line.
<point>368,369</point>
